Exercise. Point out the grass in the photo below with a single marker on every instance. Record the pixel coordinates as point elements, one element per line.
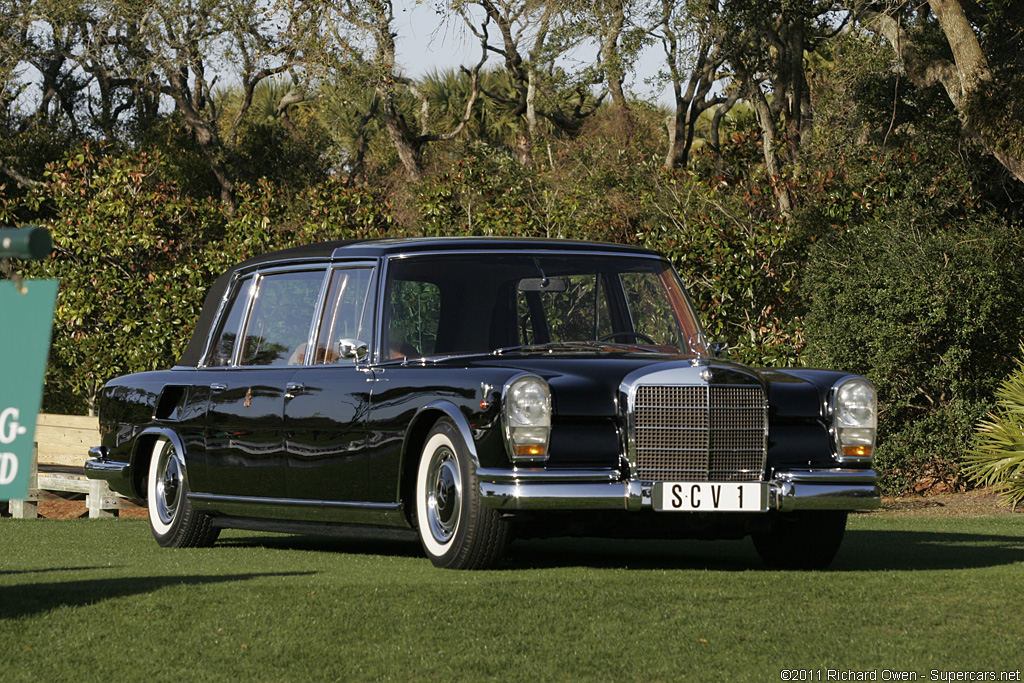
<point>98,600</point>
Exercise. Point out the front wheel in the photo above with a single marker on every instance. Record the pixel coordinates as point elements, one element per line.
<point>456,531</point>
<point>173,520</point>
<point>807,539</point>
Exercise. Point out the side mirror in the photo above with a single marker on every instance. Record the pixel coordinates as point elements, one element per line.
<point>353,349</point>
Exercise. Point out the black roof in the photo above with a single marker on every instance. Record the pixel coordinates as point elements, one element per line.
<point>374,249</point>
<point>377,248</point>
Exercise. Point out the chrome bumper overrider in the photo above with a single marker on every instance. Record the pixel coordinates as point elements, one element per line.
<point>539,489</point>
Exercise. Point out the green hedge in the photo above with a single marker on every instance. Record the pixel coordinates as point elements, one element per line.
<point>135,259</point>
<point>914,287</point>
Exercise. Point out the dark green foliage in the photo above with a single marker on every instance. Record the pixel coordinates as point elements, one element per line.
<point>734,253</point>
<point>914,287</point>
<point>735,256</point>
<point>135,259</point>
<point>129,252</point>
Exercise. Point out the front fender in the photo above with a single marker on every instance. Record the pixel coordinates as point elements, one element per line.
<point>415,435</point>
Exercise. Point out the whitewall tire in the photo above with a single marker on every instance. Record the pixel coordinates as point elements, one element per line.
<point>456,531</point>
<point>172,519</point>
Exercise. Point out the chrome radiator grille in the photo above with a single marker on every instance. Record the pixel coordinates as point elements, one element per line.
<point>699,433</point>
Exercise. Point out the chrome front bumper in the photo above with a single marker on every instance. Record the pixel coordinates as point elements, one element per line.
<point>539,489</point>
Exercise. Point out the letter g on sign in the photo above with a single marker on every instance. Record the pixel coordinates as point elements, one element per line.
<point>9,428</point>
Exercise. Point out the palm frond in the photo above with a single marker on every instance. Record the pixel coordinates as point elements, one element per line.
<point>997,458</point>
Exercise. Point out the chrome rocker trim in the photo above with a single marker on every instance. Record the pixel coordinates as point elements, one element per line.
<point>539,489</point>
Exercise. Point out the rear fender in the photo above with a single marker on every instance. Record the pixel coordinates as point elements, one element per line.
<point>143,453</point>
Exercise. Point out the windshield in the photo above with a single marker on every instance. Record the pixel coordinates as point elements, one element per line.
<point>452,304</point>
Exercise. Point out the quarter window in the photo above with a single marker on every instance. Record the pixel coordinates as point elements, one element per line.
<point>223,350</point>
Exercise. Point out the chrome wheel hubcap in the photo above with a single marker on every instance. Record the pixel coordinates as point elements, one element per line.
<point>444,495</point>
<point>168,486</point>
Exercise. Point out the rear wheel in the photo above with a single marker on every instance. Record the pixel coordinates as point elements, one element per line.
<point>807,539</point>
<point>173,520</point>
<point>456,531</point>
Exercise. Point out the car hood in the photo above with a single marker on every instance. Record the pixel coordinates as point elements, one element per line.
<point>594,385</point>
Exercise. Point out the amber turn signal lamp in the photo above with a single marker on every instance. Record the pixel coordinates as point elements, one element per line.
<point>530,451</point>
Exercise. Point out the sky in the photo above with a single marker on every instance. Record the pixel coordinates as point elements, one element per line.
<point>426,42</point>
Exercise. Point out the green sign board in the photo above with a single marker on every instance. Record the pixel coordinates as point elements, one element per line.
<point>26,320</point>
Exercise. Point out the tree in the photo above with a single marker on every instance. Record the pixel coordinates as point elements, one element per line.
<point>952,45</point>
<point>532,38</point>
<point>121,65</point>
<point>353,22</point>
<point>770,42</point>
<point>694,43</point>
<point>52,100</point>
<point>616,45</point>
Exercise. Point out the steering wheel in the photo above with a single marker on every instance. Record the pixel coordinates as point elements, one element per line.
<point>636,336</point>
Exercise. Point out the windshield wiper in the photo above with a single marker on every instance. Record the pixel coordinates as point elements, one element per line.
<point>577,346</point>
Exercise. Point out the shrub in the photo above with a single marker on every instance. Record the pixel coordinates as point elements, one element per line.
<point>920,293</point>
<point>997,458</point>
<point>129,252</point>
<point>737,260</point>
<point>135,259</point>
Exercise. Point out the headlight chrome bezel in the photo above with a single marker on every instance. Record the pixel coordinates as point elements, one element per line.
<point>526,418</point>
<point>853,409</point>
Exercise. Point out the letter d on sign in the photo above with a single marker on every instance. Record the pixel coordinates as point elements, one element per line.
<point>8,468</point>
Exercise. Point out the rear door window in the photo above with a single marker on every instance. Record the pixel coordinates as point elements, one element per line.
<point>348,313</point>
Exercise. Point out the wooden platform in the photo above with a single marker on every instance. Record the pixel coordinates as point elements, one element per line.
<point>58,461</point>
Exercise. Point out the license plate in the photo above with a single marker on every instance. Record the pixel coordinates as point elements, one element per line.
<point>710,496</point>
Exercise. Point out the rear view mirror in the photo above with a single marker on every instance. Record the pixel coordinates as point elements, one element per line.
<point>542,284</point>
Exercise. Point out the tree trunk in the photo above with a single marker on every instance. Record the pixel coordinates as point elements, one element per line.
<point>767,123</point>
<point>968,80</point>
<point>409,152</point>
<point>972,67</point>
<point>610,56</point>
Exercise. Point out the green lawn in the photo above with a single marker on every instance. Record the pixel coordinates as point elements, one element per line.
<point>98,600</point>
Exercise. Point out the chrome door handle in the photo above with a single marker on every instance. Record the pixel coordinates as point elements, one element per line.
<point>293,388</point>
<point>218,387</point>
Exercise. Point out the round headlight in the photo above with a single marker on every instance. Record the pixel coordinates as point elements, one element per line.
<point>528,418</point>
<point>529,403</point>
<point>856,404</point>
